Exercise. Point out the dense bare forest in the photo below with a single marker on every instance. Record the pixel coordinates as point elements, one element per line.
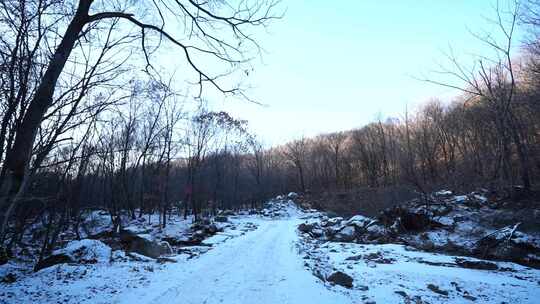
<point>81,131</point>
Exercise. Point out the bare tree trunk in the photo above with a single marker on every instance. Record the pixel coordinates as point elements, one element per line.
<point>17,159</point>
<point>521,149</point>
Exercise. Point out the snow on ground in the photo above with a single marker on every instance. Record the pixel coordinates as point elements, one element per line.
<point>261,259</point>
<point>261,265</point>
<point>391,273</point>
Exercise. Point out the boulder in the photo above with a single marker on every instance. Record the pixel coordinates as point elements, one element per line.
<point>375,231</point>
<point>292,195</point>
<point>346,234</point>
<point>341,279</point>
<point>167,249</point>
<point>332,221</point>
<point>141,244</point>
<point>305,228</point>
<point>313,229</point>
<point>404,219</point>
<point>359,221</point>
<point>211,229</point>
<point>205,228</point>
<point>199,235</point>
<point>316,232</point>
<point>329,232</point>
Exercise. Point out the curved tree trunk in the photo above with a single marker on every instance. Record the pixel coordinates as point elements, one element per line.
<point>17,159</point>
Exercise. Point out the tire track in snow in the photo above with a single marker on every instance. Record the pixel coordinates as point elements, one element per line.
<point>261,266</point>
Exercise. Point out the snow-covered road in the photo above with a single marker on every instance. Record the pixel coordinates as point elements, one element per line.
<point>262,266</point>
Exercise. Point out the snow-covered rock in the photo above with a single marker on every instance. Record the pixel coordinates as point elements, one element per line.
<point>460,198</point>
<point>332,221</point>
<point>143,244</point>
<point>292,195</point>
<point>390,273</point>
<point>438,223</point>
<point>359,221</point>
<point>341,278</point>
<point>85,251</point>
<point>285,208</point>
<point>480,197</point>
<point>346,234</point>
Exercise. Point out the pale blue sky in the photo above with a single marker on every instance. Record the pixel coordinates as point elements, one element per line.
<point>337,65</point>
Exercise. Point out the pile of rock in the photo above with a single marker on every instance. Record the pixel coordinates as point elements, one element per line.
<point>356,229</point>
<point>203,229</point>
<point>463,224</point>
<point>199,231</point>
<point>144,244</point>
<point>279,207</point>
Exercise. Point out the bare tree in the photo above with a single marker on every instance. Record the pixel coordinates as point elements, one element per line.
<point>493,81</point>
<point>296,153</point>
<point>335,144</point>
<point>214,29</point>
